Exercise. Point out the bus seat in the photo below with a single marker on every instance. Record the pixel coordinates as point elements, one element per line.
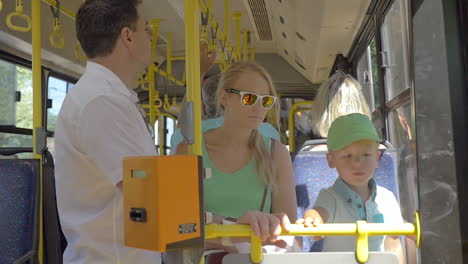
<point>313,174</point>
<point>19,210</point>
<point>54,239</point>
<point>307,258</point>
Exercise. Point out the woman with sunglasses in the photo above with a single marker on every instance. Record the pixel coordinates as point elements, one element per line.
<point>252,178</point>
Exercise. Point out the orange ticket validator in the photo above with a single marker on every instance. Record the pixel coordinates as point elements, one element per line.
<point>163,202</point>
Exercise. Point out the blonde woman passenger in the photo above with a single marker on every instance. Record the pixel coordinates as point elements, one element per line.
<point>247,169</point>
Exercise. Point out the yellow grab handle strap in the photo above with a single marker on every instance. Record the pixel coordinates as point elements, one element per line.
<point>19,13</point>
<point>56,37</point>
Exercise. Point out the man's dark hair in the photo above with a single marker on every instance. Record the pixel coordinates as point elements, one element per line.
<point>99,23</point>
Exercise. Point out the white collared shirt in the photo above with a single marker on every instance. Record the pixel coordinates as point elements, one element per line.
<point>98,125</point>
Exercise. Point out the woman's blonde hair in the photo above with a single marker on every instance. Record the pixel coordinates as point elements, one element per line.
<point>340,95</point>
<point>260,153</point>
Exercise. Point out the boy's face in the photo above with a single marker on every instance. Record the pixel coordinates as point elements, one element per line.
<point>356,162</point>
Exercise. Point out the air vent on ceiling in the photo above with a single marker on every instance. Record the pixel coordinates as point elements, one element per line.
<point>299,35</point>
<point>260,16</point>
<point>300,62</point>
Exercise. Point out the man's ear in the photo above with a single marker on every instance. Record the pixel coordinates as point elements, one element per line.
<point>126,35</point>
<point>331,164</point>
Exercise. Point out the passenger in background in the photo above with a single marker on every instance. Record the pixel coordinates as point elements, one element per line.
<point>251,175</point>
<point>353,150</point>
<point>340,95</point>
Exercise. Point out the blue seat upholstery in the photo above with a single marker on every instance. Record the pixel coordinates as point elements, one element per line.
<point>313,174</point>
<point>19,210</point>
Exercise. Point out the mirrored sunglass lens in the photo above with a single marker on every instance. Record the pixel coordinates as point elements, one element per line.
<point>249,99</point>
<point>268,101</point>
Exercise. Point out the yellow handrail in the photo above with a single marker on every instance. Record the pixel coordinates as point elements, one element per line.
<point>252,53</point>
<point>245,44</point>
<point>151,70</point>
<point>56,37</point>
<point>192,69</point>
<point>170,77</point>
<point>166,104</point>
<point>237,16</point>
<point>222,36</point>
<point>37,108</point>
<point>64,10</point>
<point>19,13</point>
<point>227,22</point>
<point>291,122</point>
<point>169,54</point>
<point>361,229</point>
<point>79,54</point>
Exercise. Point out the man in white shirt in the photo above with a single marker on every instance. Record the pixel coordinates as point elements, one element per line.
<point>100,124</point>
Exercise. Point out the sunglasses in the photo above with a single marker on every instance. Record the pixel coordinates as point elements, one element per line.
<point>250,99</point>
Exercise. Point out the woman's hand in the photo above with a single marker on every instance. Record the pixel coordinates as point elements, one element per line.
<point>267,226</point>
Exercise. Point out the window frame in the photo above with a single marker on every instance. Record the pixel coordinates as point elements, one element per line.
<point>45,92</point>
<point>46,73</point>
<point>370,29</point>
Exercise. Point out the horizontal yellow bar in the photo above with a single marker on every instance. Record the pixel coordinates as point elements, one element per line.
<point>221,35</point>
<point>169,77</point>
<point>214,230</point>
<point>177,58</point>
<point>64,10</point>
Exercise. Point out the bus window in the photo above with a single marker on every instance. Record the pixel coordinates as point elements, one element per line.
<point>56,91</point>
<point>170,125</point>
<point>16,99</point>
<point>374,71</point>
<point>364,77</point>
<point>24,108</point>
<point>7,93</point>
<point>70,86</point>
<point>394,51</point>
<point>401,137</point>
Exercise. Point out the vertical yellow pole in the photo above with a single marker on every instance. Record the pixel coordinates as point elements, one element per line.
<point>152,70</point>
<point>210,18</point>
<point>227,34</point>
<point>227,21</point>
<point>245,48</point>
<point>210,6</point>
<point>192,69</point>
<point>161,134</point>
<point>169,54</point>
<point>37,105</point>
<point>237,18</point>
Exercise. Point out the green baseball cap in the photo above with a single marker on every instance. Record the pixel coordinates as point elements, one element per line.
<point>348,129</point>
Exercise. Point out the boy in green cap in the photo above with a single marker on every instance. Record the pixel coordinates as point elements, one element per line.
<point>353,150</point>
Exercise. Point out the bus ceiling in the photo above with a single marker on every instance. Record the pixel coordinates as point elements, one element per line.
<point>307,35</point>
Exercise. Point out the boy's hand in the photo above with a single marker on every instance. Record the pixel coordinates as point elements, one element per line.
<point>311,219</point>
